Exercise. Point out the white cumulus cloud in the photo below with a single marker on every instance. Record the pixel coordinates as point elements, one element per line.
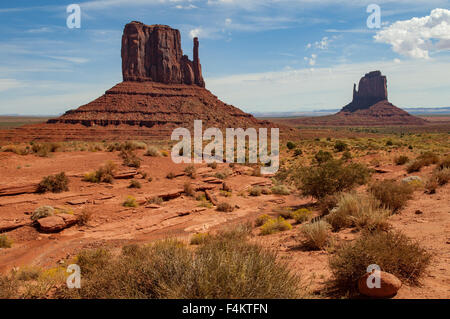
<point>417,37</point>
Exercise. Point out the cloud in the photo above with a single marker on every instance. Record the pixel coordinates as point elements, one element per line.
<point>8,84</point>
<point>312,60</point>
<point>418,37</point>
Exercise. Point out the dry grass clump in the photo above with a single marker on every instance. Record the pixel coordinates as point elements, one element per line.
<point>424,159</point>
<point>134,184</point>
<point>84,217</point>
<point>392,251</point>
<point>200,238</point>
<point>152,151</point>
<point>189,189</point>
<point>155,200</point>
<point>130,158</point>
<point>392,194</point>
<point>272,226</point>
<point>190,171</point>
<point>444,163</point>
<point>42,212</point>
<point>327,203</point>
<point>225,207</point>
<point>4,241</point>
<point>223,174</point>
<point>225,266</point>
<point>54,183</point>
<point>261,220</point>
<point>280,190</point>
<point>316,235</point>
<point>255,191</point>
<point>8,287</point>
<point>105,174</point>
<point>332,177</point>
<point>401,160</point>
<point>363,212</point>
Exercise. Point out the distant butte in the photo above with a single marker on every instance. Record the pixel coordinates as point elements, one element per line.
<point>370,106</point>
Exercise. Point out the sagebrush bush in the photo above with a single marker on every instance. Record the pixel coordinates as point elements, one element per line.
<point>290,145</point>
<point>84,217</point>
<point>42,212</point>
<point>225,266</point>
<point>54,183</point>
<point>280,190</point>
<point>225,207</point>
<point>199,238</point>
<point>190,171</point>
<point>392,194</point>
<point>273,225</point>
<point>332,177</point>
<point>392,251</point>
<point>130,159</point>
<point>105,174</point>
<point>340,146</point>
<point>152,151</point>
<point>444,163</point>
<point>134,184</point>
<point>255,191</point>
<point>363,212</point>
<point>401,160</point>
<point>316,235</point>
<point>442,176</point>
<point>155,200</point>
<point>189,189</point>
<point>323,157</point>
<point>4,241</point>
<point>424,159</point>
<point>261,220</point>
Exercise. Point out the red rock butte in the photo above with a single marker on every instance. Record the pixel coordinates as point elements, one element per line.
<point>161,90</point>
<point>370,106</point>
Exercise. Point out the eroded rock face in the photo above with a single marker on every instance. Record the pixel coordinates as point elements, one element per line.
<point>153,53</point>
<point>371,90</point>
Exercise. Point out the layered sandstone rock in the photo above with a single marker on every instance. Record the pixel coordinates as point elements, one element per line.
<point>371,90</point>
<point>153,53</point>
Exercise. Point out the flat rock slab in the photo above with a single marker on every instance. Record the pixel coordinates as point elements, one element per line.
<point>29,188</point>
<point>56,223</point>
<point>77,201</point>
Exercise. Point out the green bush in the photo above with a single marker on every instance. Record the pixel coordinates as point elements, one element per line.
<point>301,215</point>
<point>298,152</point>
<point>323,157</point>
<point>255,191</point>
<point>392,251</point>
<point>54,183</point>
<point>332,177</point>
<point>135,184</point>
<point>340,146</point>
<point>280,190</point>
<point>392,194</point>
<point>290,145</point>
<point>105,174</point>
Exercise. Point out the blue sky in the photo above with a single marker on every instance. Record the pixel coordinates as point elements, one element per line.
<point>259,55</point>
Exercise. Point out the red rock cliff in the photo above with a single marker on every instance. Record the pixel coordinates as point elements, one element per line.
<point>153,53</point>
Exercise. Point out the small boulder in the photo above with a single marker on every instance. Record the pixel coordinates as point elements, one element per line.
<point>389,286</point>
<point>56,223</point>
<point>410,179</point>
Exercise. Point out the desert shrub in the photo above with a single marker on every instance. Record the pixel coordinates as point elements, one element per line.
<point>170,175</point>
<point>332,177</point>
<point>392,194</point>
<point>392,251</point>
<point>290,145</point>
<point>301,215</point>
<point>272,226</point>
<point>4,241</point>
<point>84,217</point>
<point>261,220</point>
<point>255,191</point>
<point>105,174</point>
<point>431,185</point>
<point>316,235</point>
<point>190,171</point>
<point>442,176</point>
<point>323,157</point>
<point>8,287</point>
<point>225,207</point>
<point>222,267</point>
<point>28,273</point>
<point>199,238</point>
<point>54,183</point>
<point>389,143</point>
<point>130,202</point>
<point>188,189</point>
<point>213,165</point>
<point>134,184</point>
<point>155,200</point>
<point>152,151</point>
<point>130,159</point>
<point>222,175</point>
<point>327,203</point>
<point>363,212</point>
<point>43,149</point>
<point>444,163</point>
<point>298,152</point>
<point>424,159</point>
<point>280,190</point>
<point>256,171</point>
<point>346,156</point>
<point>401,160</point>
<point>42,212</point>
<point>340,146</point>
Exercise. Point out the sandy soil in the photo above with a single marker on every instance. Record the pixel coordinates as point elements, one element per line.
<point>112,224</point>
